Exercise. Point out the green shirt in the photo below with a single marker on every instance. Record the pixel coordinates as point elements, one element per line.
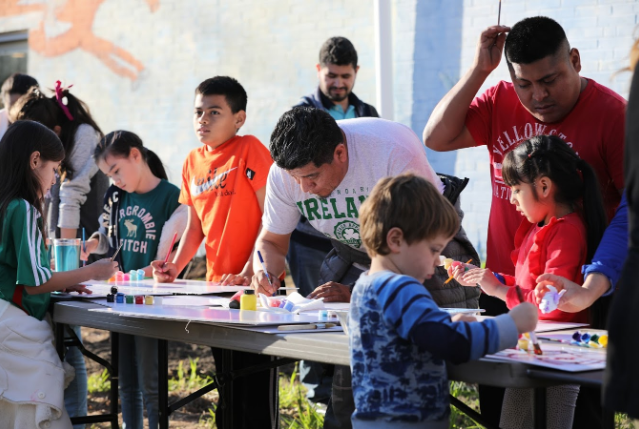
<point>141,219</point>
<point>24,261</point>
<point>338,113</point>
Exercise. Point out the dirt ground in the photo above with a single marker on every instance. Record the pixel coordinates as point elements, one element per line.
<point>188,417</point>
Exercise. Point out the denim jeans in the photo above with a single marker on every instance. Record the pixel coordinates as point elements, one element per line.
<point>76,393</point>
<point>304,263</point>
<point>138,363</point>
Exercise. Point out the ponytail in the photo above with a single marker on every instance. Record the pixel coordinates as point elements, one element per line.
<point>593,209</point>
<point>155,164</point>
<point>121,142</point>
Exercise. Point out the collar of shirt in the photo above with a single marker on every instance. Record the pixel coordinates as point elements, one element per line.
<point>338,113</point>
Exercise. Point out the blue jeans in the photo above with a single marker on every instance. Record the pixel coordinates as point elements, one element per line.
<point>75,395</point>
<point>304,263</point>
<point>138,363</point>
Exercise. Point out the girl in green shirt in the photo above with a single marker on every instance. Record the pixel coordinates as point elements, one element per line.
<point>30,156</point>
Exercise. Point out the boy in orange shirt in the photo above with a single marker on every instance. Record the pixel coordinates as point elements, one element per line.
<point>223,185</point>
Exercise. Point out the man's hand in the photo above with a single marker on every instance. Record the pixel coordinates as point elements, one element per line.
<point>235,279</point>
<point>332,292</point>
<point>164,272</point>
<point>91,245</point>
<point>261,285</point>
<point>575,299</point>
<point>490,47</point>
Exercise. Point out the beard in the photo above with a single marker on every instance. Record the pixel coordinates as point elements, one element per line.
<point>334,97</point>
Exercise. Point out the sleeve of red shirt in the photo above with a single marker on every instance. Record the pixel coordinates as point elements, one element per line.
<point>259,162</point>
<point>565,249</point>
<point>478,118</point>
<point>185,192</point>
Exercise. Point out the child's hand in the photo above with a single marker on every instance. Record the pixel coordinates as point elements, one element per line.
<point>79,289</point>
<point>91,244</point>
<point>164,272</point>
<point>457,271</point>
<point>525,317</point>
<point>103,269</point>
<point>235,279</point>
<point>478,276</point>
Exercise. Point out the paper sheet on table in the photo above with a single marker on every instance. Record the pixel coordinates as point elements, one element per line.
<point>557,356</point>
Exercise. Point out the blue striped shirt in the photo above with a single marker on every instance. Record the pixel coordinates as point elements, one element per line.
<point>400,340</point>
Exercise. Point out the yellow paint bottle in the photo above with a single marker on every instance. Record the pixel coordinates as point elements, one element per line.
<point>248,301</point>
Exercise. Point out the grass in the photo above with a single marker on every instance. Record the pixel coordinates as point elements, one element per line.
<point>295,410</point>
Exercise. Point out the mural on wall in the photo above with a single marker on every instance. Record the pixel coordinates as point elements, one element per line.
<point>67,25</point>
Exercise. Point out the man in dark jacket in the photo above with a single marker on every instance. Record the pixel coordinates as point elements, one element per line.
<point>336,72</point>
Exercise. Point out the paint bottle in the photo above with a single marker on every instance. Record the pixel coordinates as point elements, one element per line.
<point>248,300</point>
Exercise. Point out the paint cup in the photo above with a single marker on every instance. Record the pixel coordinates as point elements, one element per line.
<point>66,253</point>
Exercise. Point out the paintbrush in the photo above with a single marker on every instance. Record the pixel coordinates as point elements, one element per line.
<point>499,13</point>
<point>84,246</point>
<point>533,337</point>
<point>166,259</point>
<point>116,252</point>
<point>451,277</point>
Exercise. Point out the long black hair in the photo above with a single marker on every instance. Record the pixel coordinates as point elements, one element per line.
<point>120,143</point>
<point>34,105</point>
<point>575,180</point>
<point>17,179</point>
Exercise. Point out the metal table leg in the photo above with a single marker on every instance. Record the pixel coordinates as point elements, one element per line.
<point>163,383</point>
<point>539,408</point>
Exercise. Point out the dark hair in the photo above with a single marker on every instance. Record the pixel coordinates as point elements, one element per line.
<point>120,143</point>
<point>228,87</point>
<point>574,178</point>
<point>17,83</point>
<point>339,51</point>
<point>304,135</point>
<point>17,179</point>
<point>532,39</point>
<point>34,105</point>
<point>410,203</point>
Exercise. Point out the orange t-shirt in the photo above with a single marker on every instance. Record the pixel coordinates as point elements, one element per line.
<point>220,185</point>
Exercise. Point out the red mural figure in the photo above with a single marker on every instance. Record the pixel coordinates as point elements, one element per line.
<point>79,14</point>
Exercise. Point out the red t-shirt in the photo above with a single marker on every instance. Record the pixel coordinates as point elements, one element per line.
<point>221,185</point>
<point>557,248</point>
<point>594,129</point>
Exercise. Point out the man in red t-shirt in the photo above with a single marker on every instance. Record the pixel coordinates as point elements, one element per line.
<point>547,96</point>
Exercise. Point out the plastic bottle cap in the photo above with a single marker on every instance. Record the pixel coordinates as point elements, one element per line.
<point>249,292</point>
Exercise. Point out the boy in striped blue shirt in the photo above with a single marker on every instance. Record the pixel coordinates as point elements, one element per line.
<point>399,338</point>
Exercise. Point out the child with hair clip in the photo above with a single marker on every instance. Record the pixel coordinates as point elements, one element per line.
<point>558,194</point>
<point>32,378</point>
<point>141,213</point>
<point>75,202</point>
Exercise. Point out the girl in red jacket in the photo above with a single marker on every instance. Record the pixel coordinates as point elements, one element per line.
<point>558,195</point>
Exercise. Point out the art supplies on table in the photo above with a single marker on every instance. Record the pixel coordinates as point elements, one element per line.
<point>557,356</point>
<point>208,315</point>
<point>293,303</point>
<point>593,339</point>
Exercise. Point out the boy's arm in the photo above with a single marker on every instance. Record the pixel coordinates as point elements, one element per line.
<point>189,243</point>
<point>407,306</point>
<point>446,129</point>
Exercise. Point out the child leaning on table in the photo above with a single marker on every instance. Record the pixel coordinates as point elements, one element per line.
<point>399,338</point>
<point>223,185</point>
<point>32,378</point>
<point>142,214</point>
<point>564,220</point>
